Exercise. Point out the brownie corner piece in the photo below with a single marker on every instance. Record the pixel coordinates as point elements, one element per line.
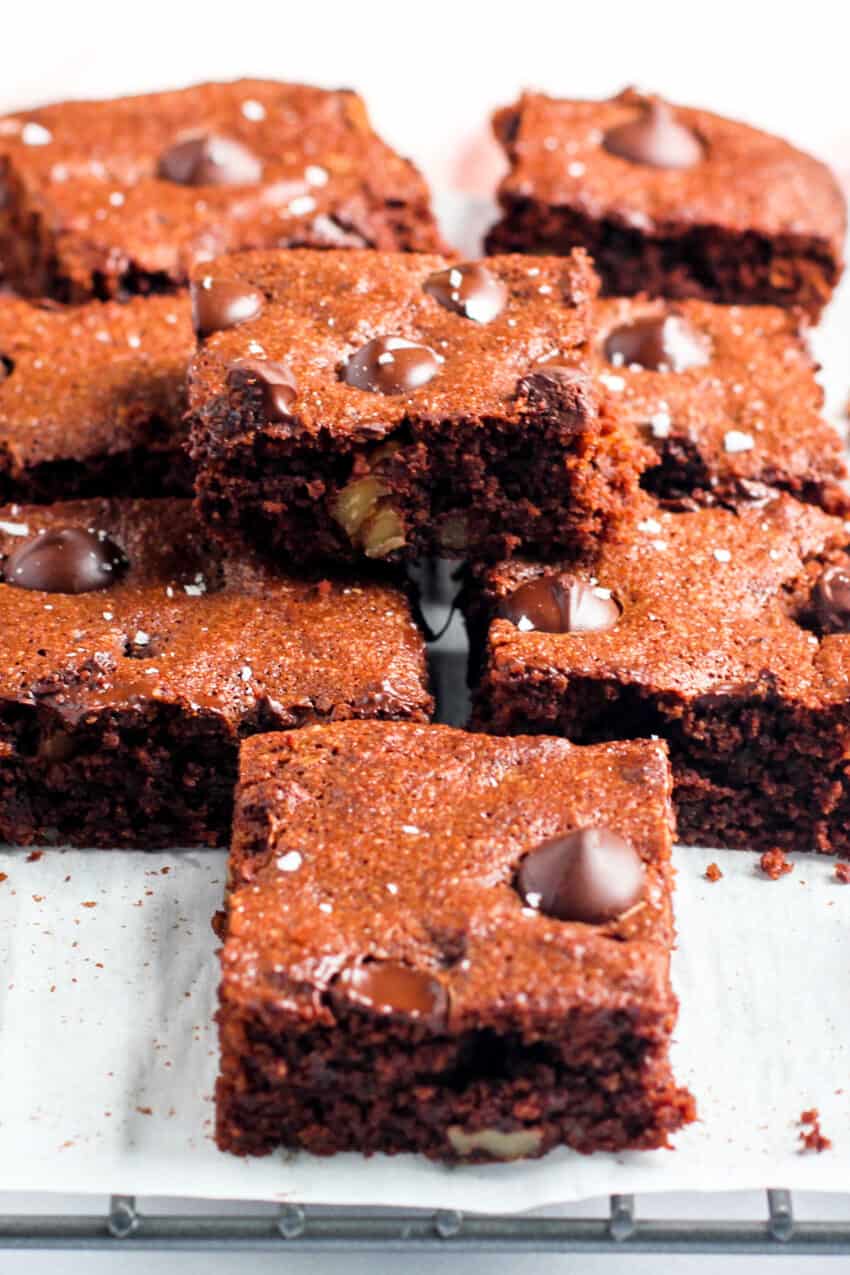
<point>670,200</point>
<point>370,405</point>
<point>725,632</point>
<point>134,656</point>
<point>110,198</point>
<point>493,979</point>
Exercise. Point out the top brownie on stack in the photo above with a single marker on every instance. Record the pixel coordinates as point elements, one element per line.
<point>107,199</point>
<point>670,200</point>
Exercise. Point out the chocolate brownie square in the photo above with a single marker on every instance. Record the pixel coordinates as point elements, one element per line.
<point>726,395</point>
<point>106,199</point>
<point>449,944</point>
<point>670,200</point>
<point>355,403</point>
<point>726,633</point>
<point>92,399</point>
<point>134,657</point>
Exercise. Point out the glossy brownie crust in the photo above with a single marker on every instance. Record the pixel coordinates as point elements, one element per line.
<point>504,445</point>
<point>92,399</point>
<point>720,649</point>
<point>542,1031</point>
<point>755,221</point>
<point>88,212</point>
<point>742,425</point>
<point>121,709</point>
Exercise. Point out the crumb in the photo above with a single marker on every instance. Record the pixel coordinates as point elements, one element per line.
<point>813,1139</point>
<point>4,876</point>
<point>774,864</point>
<point>34,856</point>
<point>145,1111</point>
<point>713,873</point>
<point>842,873</point>
<point>88,904</point>
<point>165,871</point>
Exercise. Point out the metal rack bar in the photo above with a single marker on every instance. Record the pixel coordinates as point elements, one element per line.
<point>298,1228</point>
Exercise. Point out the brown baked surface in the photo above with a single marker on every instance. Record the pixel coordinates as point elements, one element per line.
<point>364,842</point>
<point>747,422</point>
<point>476,460</point>
<point>756,220</point>
<point>121,708</point>
<point>718,649</point>
<point>92,399</point>
<point>86,213</point>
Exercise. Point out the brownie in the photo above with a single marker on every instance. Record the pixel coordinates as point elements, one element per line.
<point>670,200</point>
<point>726,633</point>
<point>92,399</point>
<point>726,395</point>
<point>134,657</point>
<point>106,199</point>
<point>449,944</point>
<point>349,404</point>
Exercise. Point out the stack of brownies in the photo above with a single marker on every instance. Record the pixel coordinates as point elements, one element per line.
<point>445,941</point>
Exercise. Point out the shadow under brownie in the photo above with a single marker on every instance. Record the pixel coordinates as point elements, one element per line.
<point>111,198</point>
<point>670,200</point>
<point>449,944</point>
<point>725,633</point>
<point>356,405</point>
<point>134,657</point>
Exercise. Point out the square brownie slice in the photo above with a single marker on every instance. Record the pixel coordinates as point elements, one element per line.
<point>134,657</point>
<point>92,399</point>
<point>725,633</point>
<point>449,944</point>
<point>670,200</point>
<point>727,396</point>
<point>104,199</point>
<point>356,403</point>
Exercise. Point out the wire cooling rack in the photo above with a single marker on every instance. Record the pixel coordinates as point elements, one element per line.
<point>317,1228</point>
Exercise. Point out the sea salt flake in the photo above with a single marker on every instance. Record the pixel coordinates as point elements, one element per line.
<point>15,528</point>
<point>660,423</point>
<point>576,168</point>
<point>33,134</point>
<point>652,525</point>
<point>325,907</point>
<point>141,638</point>
<point>116,199</point>
<point>737,441</point>
<point>290,862</point>
<point>613,383</point>
<point>722,555</point>
<point>253,110</point>
<point>315,175</point>
<point>301,205</point>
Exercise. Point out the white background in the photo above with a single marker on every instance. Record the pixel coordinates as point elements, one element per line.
<point>431,73</point>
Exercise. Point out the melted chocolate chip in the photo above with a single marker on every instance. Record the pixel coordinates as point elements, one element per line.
<point>591,875</point>
<point>277,381</point>
<point>665,343</point>
<point>391,365</point>
<point>654,138</point>
<point>550,604</point>
<point>65,560</point>
<point>831,600</point>
<point>471,290</point>
<point>210,161</point>
<point>223,303</point>
<point>388,987</point>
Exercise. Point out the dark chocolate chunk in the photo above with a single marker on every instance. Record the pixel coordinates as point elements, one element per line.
<point>391,365</point>
<point>210,161</point>
<point>389,987</point>
<point>65,560</point>
<point>551,604</point>
<point>471,290</point>
<point>654,138</point>
<point>222,303</point>
<point>591,875</point>
<point>661,343</point>
<point>277,380</point>
<point>831,600</point>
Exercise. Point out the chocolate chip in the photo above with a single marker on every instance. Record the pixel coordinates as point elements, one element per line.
<point>654,138</point>
<point>65,560</point>
<point>591,875</point>
<point>471,290</point>
<point>223,303</point>
<point>391,365</point>
<point>389,987</point>
<point>551,604</point>
<point>278,383</point>
<point>209,161</point>
<point>664,343</point>
<point>831,600</point>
